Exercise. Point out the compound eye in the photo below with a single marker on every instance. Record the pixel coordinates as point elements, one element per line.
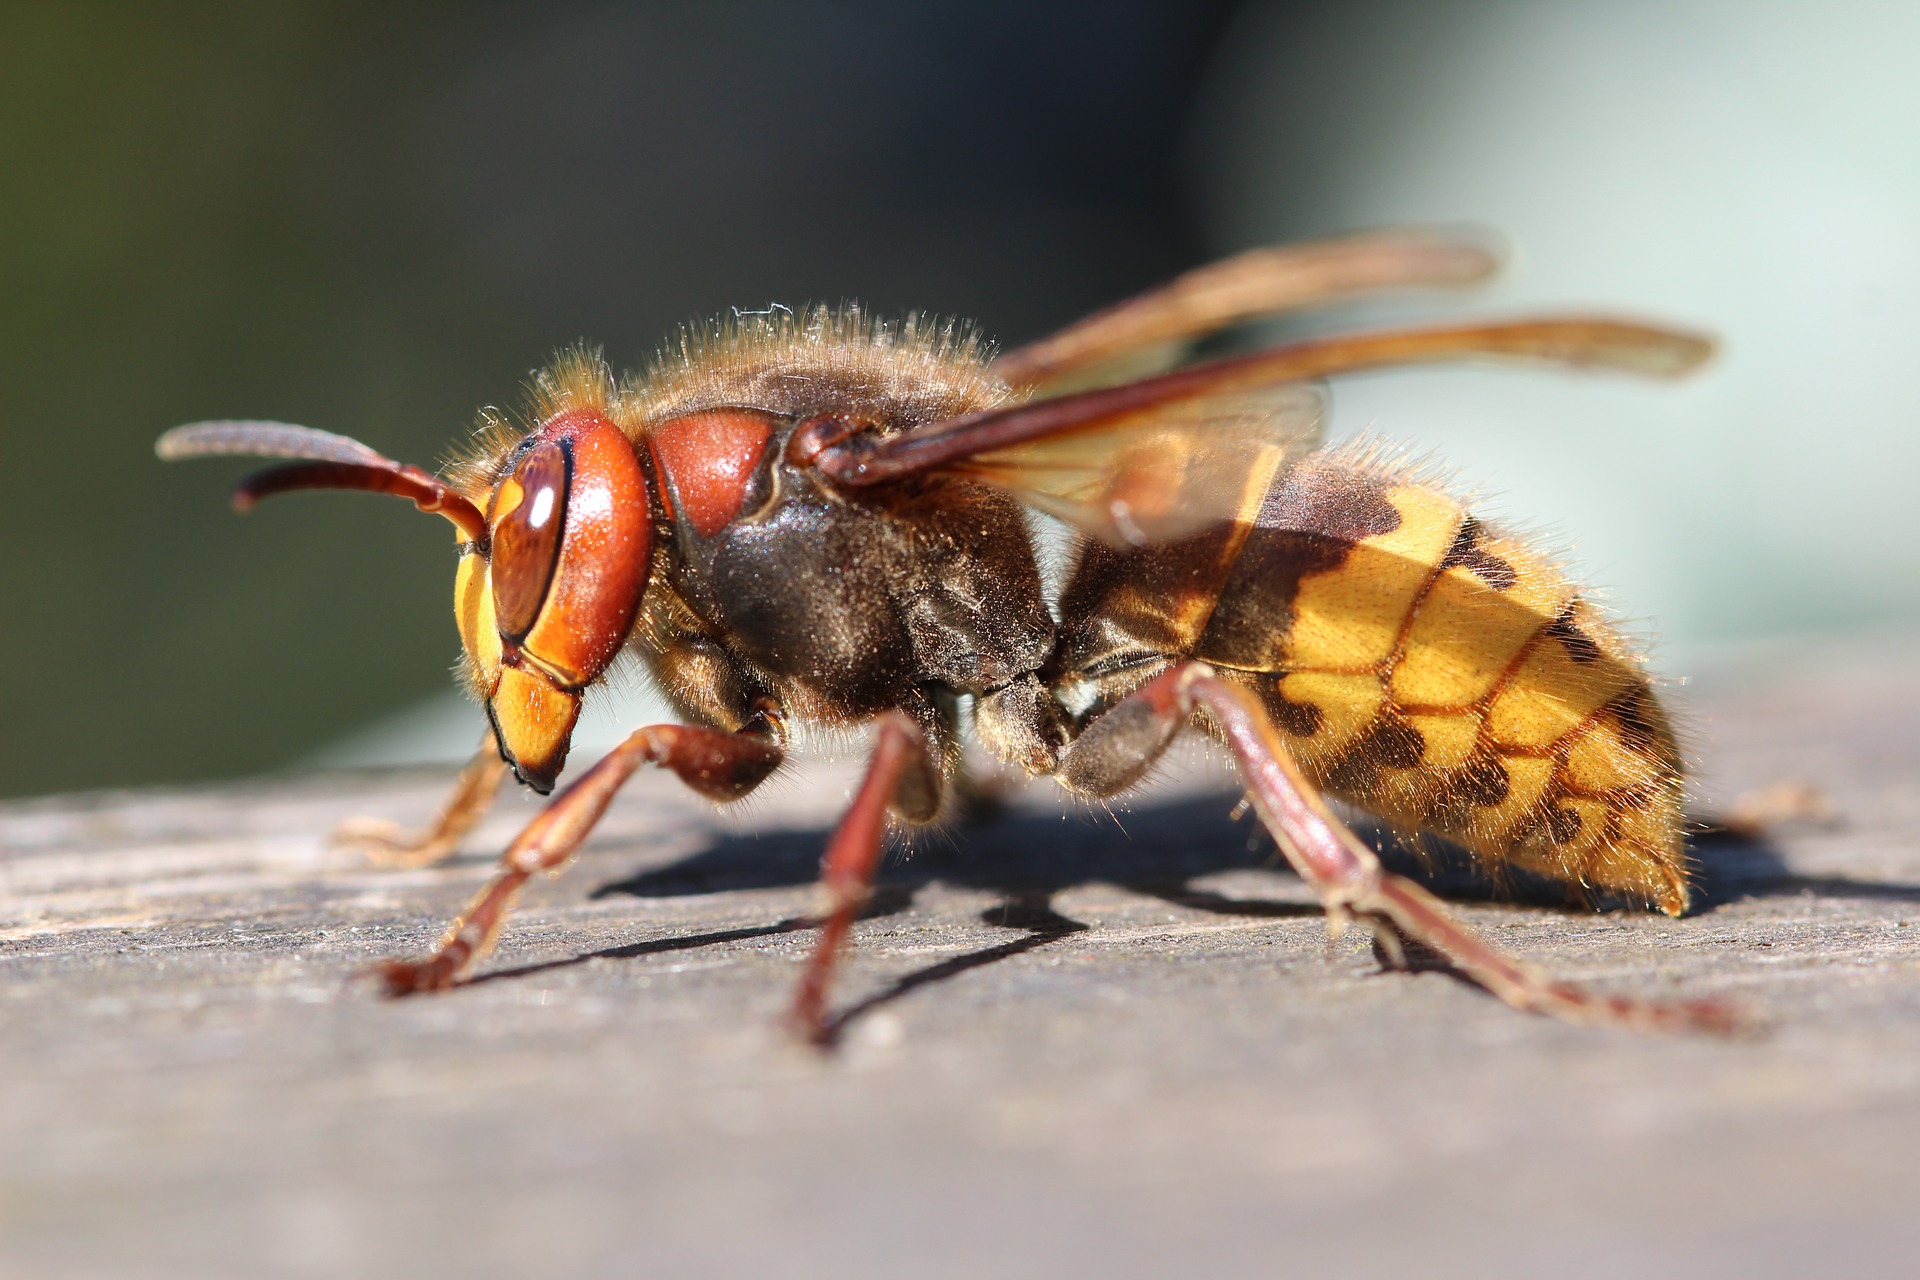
<point>529,512</point>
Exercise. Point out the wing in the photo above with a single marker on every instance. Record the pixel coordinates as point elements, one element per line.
<point>1164,471</point>
<point>328,461</point>
<point>1149,333</point>
<point>1150,459</point>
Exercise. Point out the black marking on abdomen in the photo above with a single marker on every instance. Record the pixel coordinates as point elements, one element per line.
<point>1481,783</point>
<point>1580,646</point>
<point>1466,553</point>
<point>1389,743</point>
<point>1638,733</point>
<point>1310,521</point>
<point>1298,719</point>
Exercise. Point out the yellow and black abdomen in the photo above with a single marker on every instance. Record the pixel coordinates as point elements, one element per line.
<point>1427,668</point>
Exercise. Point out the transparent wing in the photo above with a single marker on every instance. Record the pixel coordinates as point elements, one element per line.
<point>1151,332</point>
<point>1584,342</point>
<point>1161,472</point>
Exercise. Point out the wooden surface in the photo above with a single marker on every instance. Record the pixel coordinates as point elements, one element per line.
<point>1081,1045</point>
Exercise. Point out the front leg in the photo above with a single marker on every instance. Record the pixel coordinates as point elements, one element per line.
<point>718,764</point>
<point>388,844</point>
<point>1118,747</point>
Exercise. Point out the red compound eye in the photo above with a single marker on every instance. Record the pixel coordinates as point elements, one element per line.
<point>529,514</point>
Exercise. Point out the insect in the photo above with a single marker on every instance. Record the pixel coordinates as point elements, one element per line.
<point>819,519</point>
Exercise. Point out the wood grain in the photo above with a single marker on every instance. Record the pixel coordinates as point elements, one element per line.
<point>1082,1043</point>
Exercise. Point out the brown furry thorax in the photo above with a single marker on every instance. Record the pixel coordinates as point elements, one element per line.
<point>894,374</point>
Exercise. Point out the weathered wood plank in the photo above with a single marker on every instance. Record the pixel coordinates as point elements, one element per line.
<point>1081,1047</point>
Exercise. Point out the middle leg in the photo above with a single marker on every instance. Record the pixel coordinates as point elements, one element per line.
<point>902,777</point>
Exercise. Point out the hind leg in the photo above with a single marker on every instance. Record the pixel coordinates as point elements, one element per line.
<point>1118,747</point>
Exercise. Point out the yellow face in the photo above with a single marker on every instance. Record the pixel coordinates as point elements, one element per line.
<point>532,718</point>
<point>547,598</point>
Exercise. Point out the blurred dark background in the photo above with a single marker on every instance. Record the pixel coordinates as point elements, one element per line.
<point>376,218</point>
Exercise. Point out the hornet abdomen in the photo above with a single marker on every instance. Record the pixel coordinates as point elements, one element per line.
<point>1421,665</point>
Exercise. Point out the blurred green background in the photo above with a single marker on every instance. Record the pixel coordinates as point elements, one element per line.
<point>375,219</point>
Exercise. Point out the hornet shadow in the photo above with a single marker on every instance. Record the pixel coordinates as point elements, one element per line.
<point>1159,851</point>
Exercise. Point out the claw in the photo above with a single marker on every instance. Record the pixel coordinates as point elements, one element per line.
<point>410,977</point>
